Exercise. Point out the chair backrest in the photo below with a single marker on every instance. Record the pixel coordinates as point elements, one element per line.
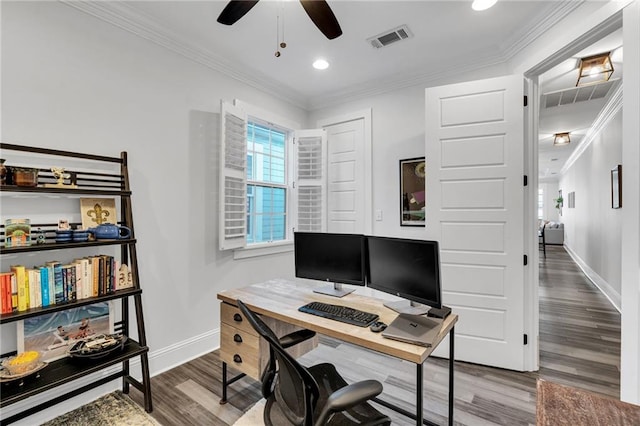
<point>295,390</point>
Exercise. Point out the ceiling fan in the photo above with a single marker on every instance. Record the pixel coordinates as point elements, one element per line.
<point>318,10</point>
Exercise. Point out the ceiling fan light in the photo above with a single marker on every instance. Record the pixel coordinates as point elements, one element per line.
<point>320,64</point>
<point>482,4</point>
<point>560,139</point>
<point>595,69</point>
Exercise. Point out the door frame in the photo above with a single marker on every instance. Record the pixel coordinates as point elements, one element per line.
<point>365,115</point>
<point>606,25</point>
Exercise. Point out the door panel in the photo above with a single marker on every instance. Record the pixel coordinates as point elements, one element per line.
<point>345,155</point>
<point>474,153</point>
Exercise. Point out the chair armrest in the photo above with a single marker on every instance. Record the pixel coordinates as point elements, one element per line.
<point>296,337</point>
<point>348,397</point>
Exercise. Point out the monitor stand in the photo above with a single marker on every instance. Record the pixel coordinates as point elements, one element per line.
<point>407,307</point>
<point>336,291</point>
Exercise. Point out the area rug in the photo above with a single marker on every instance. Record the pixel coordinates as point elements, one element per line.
<point>253,417</point>
<point>114,409</point>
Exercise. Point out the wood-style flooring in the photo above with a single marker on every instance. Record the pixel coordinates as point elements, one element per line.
<point>579,346</point>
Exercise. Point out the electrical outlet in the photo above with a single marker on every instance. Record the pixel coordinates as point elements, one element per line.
<point>379,215</point>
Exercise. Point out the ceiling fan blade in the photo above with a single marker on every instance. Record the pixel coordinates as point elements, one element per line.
<point>322,15</point>
<point>234,10</point>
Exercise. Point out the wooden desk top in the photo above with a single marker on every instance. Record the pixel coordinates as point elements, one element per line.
<point>280,299</point>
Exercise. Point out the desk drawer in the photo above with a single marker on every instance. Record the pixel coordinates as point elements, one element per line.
<point>240,350</point>
<point>231,315</point>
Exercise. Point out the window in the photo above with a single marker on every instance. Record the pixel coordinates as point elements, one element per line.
<point>269,184</point>
<point>266,183</point>
<point>540,202</point>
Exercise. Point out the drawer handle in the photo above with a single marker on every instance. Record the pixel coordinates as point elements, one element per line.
<point>237,338</point>
<point>237,317</point>
<point>237,359</point>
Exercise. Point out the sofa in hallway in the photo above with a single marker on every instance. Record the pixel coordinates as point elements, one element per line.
<point>554,233</point>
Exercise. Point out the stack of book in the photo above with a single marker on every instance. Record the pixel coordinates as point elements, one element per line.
<point>54,283</point>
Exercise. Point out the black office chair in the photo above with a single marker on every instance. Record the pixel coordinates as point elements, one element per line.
<point>317,395</point>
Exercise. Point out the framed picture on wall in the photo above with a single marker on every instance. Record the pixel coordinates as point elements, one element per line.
<point>413,199</point>
<point>616,187</point>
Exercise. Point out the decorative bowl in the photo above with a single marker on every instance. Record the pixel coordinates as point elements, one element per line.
<point>22,363</point>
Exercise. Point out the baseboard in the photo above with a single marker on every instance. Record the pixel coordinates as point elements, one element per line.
<point>159,361</point>
<point>604,287</point>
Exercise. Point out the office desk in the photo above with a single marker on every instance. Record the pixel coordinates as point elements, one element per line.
<point>280,300</point>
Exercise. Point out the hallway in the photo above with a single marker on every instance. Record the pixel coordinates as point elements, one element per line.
<point>579,328</point>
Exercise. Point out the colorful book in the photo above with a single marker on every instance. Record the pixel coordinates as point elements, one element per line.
<point>44,285</point>
<point>22,287</point>
<point>5,287</point>
<point>57,280</point>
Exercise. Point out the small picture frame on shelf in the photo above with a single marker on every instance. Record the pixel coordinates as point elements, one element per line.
<point>17,232</point>
<point>96,211</point>
<point>53,334</point>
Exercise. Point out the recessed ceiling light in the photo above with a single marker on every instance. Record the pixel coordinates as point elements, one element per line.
<point>482,4</point>
<point>321,64</point>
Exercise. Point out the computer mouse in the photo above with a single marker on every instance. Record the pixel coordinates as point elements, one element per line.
<point>378,326</point>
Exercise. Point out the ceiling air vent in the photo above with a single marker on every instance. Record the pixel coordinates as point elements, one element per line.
<point>391,36</point>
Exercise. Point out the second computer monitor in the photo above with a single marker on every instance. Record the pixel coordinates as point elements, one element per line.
<point>406,268</point>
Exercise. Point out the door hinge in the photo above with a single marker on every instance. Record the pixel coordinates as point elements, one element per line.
<point>526,260</point>
<point>526,100</point>
<point>526,180</point>
<point>526,339</point>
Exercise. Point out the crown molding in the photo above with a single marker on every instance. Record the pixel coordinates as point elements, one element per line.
<point>608,112</point>
<point>547,20</point>
<point>390,84</point>
<point>128,18</point>
<point>123,16</point>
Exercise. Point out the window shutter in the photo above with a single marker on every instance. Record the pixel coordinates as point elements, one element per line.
<point>311,180</point>
<point>233,177</point>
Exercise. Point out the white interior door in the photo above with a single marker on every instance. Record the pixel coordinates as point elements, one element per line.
<point>474,153</point>
<point>346,175</point>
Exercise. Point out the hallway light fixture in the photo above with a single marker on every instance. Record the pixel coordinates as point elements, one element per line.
<point>560,139</point>
<point>595,69</point>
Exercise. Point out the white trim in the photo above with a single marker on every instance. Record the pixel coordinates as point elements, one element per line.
<point>605,288</point>
<point>266,115</point>
<point>365,115</point>
<point>608,112</point>
<point>255,250</point>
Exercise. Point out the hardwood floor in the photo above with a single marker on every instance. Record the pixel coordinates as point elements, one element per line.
<point>579,346</point>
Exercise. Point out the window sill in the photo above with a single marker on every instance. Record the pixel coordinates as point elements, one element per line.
<point>264,249</point>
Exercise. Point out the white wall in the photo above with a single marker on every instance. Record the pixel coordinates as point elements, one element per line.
<point>593,230</point>
<point>72,82</point>
<point>551,193</point>
<point>398,126</point>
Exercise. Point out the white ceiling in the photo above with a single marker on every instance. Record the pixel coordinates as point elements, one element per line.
<point>449,38</point>
<point>577,117</point>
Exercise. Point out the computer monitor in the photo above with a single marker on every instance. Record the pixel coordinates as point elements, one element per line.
<point>409,269</point>
<point>330,257</point>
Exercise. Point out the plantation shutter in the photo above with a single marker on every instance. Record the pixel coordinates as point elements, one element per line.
<point>311,180</point>
<point>233,177</point>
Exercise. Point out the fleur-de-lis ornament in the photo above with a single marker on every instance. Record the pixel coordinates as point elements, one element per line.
<point>98,215</point>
